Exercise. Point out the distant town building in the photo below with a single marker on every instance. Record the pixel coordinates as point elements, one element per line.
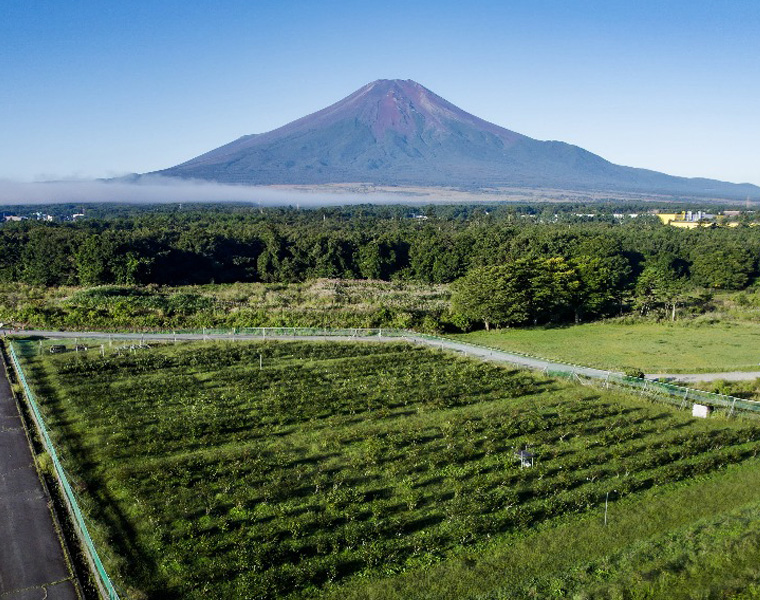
<point>688,219</point>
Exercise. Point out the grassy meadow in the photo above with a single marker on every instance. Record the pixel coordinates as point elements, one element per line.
<point>654,347</point>
<point>315,303</point>
<point>384,471</point>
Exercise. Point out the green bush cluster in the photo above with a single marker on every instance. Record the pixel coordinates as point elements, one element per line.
<point>319,303</point>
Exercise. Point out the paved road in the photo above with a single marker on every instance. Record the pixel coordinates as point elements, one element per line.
<point>32,564</point>
<point>692,377</point>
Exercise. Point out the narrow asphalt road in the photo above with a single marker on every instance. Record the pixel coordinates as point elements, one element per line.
<point>32,563</point>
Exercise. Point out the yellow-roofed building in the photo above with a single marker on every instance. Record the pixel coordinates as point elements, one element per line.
<point>687,219</point>
<point>668,217</point>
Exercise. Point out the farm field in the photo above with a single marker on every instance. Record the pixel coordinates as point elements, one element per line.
<point>338,467</point>
<point>696,539</point>
<point>651,347</point>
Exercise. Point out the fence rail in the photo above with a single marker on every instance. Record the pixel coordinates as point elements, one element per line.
<point>668,392</point>
<point>102,579</point>
<point>300,332</point>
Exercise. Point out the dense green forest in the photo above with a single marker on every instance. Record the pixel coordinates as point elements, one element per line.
<point>511,264</point>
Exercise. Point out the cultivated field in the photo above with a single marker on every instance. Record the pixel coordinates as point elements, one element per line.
<point>652,347</point>
<point>357,470</point>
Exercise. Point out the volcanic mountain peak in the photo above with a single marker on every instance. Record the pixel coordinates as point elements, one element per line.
<point>398,132</point>
<point>406,107</point>
<point>397,106</point>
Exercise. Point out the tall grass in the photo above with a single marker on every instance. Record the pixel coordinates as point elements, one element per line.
<point>317,303</point>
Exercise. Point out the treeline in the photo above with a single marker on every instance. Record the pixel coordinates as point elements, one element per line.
<point>608,266</point>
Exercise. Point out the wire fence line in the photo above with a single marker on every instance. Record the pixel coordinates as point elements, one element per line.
<point>668,392</point>
<point>673,394</point>
<point>679,396</point>
<point>103,581</point>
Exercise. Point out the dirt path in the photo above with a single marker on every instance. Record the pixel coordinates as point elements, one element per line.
<point>693,377</point>
<point>32,563</point>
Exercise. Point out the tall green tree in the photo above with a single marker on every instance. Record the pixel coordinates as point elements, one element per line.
<point>726,266</point>
<point>498,295</point>
<point>48,256</point>
<point>604,272</point>
<point>659,287</point>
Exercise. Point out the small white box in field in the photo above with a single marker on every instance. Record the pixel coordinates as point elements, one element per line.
<point>700,410</point>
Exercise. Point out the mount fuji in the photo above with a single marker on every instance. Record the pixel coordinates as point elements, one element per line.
<point>397,132</point>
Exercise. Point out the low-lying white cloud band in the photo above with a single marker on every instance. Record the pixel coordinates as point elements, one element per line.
<point>156,189</point>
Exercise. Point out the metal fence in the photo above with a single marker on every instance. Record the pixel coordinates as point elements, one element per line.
<point>667,392</point>
<point>102,579</point>
<point>298,332</point>
<point>673,394</point>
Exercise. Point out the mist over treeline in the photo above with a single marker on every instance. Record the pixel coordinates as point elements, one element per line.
<point>569,209</point>
<point>152,189</point>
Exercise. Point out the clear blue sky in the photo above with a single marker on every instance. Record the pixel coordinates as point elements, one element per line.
<point>100,87</point>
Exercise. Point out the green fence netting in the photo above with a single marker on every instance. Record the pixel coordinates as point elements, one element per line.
<point>104,581</point>
<point>298,332</point>
<point>669,393</point>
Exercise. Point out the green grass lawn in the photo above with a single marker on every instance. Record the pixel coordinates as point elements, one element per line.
<point>338,468</point>
<point>652,347</point>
